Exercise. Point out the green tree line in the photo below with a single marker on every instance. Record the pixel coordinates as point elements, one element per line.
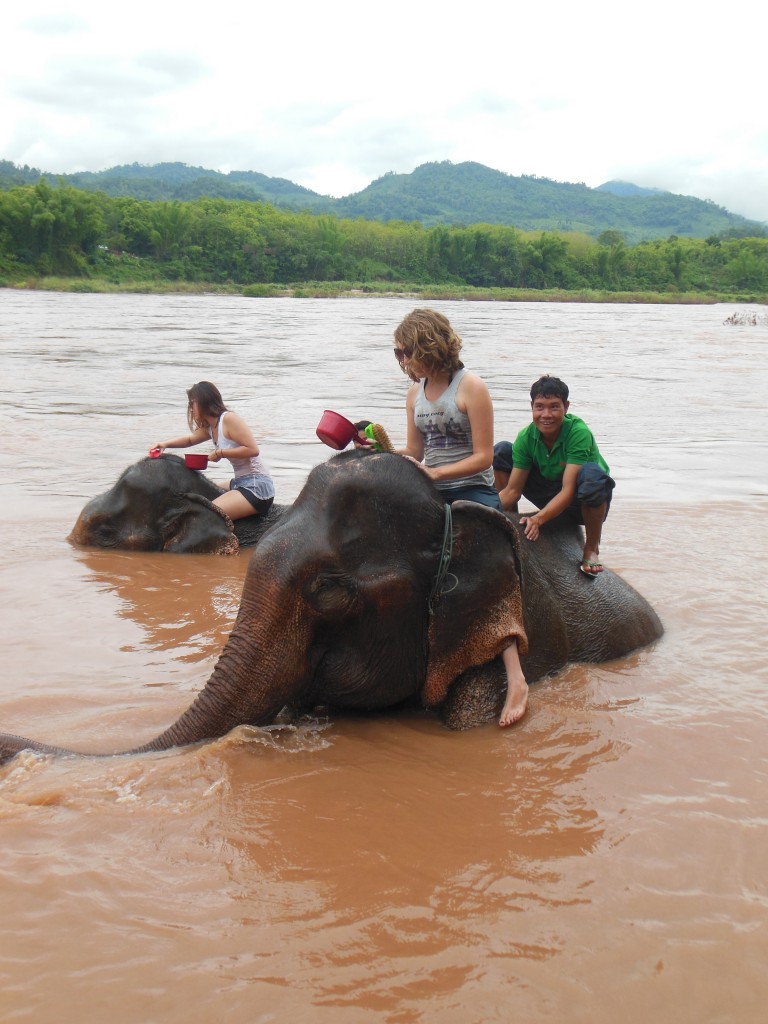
<point>68,232</point>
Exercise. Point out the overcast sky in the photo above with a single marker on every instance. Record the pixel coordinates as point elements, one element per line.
<point>331,96</point>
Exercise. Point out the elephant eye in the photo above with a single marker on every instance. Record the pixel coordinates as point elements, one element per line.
<point>103,531</point>
<point>330,594</point>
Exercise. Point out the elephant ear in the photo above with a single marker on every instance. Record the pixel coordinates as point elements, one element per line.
<point>479,611</point>
<point>198,526</point>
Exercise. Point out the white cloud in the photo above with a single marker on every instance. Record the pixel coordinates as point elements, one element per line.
<point>659,95</point>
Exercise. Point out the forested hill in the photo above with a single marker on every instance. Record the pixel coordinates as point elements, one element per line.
<point>432,194</point>
<point>174,182</point>
<point>469,193</point>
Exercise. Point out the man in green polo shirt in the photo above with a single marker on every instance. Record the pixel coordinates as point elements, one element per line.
<point>555,463</point>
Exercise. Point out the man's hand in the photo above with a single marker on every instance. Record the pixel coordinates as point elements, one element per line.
<point>532,526</point>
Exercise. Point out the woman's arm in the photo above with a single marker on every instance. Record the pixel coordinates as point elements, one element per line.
<point>414,445</point>
<point>474,400</point>
<point>239,431</point>
<point>188,441</point>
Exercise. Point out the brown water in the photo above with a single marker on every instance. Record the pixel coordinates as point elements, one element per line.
<point>604,860</point>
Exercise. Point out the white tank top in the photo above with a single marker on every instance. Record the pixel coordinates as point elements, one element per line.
<point>254,466</point>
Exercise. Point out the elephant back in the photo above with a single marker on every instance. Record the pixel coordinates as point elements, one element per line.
<point>569,617</point>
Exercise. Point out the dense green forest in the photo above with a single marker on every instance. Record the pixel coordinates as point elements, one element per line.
<point>452,195</point>
<point>64,231</point>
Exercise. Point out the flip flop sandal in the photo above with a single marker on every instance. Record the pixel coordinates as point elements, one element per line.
<point>591,565</point>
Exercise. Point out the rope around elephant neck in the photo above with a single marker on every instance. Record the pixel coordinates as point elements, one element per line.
<point>445,561</point>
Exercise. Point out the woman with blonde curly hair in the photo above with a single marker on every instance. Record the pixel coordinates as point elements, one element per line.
<point>450,434</point>
<point>449,410</point>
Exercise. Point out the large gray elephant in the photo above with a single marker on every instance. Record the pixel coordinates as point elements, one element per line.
<point>160,505</point>
<point>382,596</point>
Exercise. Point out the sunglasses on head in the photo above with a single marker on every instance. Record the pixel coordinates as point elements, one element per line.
<point>401,354</point>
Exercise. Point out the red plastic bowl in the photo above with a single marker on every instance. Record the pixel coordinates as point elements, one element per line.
<point>196,461</point>
<point>335,430</point>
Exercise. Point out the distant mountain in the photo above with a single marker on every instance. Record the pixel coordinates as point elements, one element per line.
<point>434,193</point>
<point>626,188</point>
<point>470,193</point>
<point>171,181</point>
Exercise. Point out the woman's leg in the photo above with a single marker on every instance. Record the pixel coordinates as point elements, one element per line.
<point>517,688</point>
<point>235,505</point>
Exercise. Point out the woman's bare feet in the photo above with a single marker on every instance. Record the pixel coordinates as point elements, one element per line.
<point>517,688</point>
<point>515,705</point>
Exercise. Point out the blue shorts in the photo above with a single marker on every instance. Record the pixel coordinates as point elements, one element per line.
<point>502,456</point>
<point>483,494</point>
<point>594,487</point>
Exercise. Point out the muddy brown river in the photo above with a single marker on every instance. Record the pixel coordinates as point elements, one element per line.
<point>602,861</point>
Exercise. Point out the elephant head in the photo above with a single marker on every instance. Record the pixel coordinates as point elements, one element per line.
<point>157,505</point>
<point>370,593</point>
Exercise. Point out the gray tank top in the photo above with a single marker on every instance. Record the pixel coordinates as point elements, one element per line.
<point>447,434</point>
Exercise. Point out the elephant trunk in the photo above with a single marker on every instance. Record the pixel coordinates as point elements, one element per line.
<point>262,667</point>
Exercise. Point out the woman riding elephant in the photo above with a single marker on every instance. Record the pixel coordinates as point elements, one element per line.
<point>251,491</point>
<point>450,427</point>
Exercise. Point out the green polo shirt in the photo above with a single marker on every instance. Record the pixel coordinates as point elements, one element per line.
<point>575,444</point>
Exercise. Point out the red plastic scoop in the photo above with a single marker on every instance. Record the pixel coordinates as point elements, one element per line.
<point>335,430</point>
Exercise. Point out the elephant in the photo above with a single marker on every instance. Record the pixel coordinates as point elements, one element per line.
<point>157,504</point>
<point>383,596</point>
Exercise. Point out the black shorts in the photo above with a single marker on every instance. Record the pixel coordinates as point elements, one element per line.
<point>262,505</point>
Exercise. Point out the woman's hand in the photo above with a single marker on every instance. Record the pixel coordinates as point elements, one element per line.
<point>424,469</point>
<point>216,455</point>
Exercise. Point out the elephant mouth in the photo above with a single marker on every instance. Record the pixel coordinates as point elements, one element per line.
<point>343,679</point>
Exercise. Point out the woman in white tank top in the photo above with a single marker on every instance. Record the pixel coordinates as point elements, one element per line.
<point>450,434</point>
<point>251,491</point>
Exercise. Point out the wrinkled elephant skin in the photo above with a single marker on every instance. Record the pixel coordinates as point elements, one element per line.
<point>349,580</point>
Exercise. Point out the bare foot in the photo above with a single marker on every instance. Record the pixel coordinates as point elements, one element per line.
<point>517,688</point>
<point>516,702</point>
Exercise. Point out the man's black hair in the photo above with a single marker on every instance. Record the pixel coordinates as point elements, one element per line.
<point>549,387</point>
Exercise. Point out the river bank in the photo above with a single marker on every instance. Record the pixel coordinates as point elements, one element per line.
<point>379,289</point>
